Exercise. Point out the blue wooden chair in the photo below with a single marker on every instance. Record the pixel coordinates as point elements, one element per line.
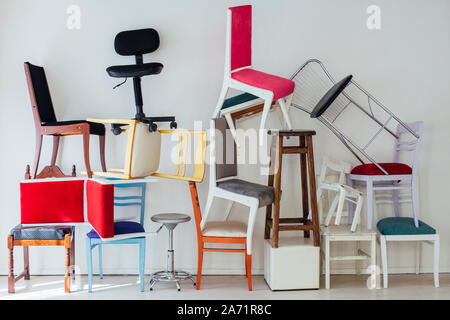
<point>125,232</point>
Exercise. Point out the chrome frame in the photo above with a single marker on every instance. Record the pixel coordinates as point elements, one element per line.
<point>348,143</point>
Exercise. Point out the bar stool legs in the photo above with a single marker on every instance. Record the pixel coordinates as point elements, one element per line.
<point>170,274</point>
<point>273,221</point>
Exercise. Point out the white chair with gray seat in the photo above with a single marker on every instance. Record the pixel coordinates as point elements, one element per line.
<point>224,184</point>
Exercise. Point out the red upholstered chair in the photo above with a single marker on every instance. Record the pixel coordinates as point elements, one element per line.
<point>240,75</point>
<point>400,176</point>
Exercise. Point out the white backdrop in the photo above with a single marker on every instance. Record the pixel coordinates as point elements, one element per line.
<point>405,64</point>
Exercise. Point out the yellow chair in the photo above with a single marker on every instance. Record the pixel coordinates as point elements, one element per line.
<point>142,152</point>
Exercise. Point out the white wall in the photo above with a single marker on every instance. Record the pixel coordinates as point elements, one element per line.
<point>405,64</point>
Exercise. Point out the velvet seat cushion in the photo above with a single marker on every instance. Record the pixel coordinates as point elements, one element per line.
<point>40,233</point>
<point>403,226</point>
<point>94,128</point>
<point>134,70</point>
<point>240,98</point>
<point>371,169</point>
<point>225,229</point>
<point>264,194</point>
<point>121,227</point>
<point>280,87</point>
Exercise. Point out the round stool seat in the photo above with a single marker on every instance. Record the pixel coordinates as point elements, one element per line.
<point>170,218</point>
<point>170,221</point>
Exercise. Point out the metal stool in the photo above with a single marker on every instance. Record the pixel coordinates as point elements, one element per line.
<point>170,221</point>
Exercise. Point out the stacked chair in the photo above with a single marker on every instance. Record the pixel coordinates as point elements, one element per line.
<point>143,142</point>
<point>239,73</point>
<point>50,208</point>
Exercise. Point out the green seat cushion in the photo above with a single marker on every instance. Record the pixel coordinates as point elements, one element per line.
<point>241,98</point>
<point>403,226</point>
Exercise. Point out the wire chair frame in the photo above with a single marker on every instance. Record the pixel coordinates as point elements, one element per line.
<point>313,74</point>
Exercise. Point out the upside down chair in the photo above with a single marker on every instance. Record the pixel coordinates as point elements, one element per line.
<point>143,142</point>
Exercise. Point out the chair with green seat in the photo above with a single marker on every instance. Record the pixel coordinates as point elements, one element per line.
<point>242,106</point>
<point>404,229</point>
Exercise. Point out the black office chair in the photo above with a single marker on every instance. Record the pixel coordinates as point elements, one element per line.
<point>137,43</point>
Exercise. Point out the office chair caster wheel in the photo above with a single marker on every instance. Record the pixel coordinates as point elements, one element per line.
<point>116,130</point>
<point>152,127</point>
<point>173,125</point>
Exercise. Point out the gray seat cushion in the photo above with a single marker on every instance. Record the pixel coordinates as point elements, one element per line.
<point>40,233</point>
<point>264,194</point>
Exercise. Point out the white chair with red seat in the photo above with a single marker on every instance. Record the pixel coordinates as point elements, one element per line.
<point>240,75</point>
<point>400,176</point>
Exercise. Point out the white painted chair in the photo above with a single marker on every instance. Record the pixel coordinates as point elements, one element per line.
<point>240,75</point>
<point>342,232</point>
<point>342,192</point>
<point>224,184</point>
<point>404,229</point>
<point>400,176</point>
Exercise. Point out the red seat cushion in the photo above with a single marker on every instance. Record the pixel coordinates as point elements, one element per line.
<point>370,169</point>
<point>280,87</point>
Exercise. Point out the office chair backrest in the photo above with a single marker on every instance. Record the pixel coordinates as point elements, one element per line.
<point>225,150</point>
<point>136,42</point>
<point>41,101</point>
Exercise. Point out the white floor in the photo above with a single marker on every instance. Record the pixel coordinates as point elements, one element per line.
<point>408,286</point>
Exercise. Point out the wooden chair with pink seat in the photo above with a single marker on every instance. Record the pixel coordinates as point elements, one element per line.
<point>239,73</point>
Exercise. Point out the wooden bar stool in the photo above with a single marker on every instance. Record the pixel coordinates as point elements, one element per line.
<point>305,149</point>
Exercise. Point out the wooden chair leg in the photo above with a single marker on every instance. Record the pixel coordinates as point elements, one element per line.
<point>67,241</point>
<point>277,187</point>
<point>312,191</point>
<point>37,154</point>
<point>304,183</point>
<point>327,262</point>
<point>436,261</point>
<point>102,152</point>
<point>72,255</point>
<point>26,262</point>
<point>268,212</point>
<point>11,280</point>
<point>86,150</point>
<point>199,266</point>
<point>246,266</point>
<point>249,268</point>
<point>55,149</point>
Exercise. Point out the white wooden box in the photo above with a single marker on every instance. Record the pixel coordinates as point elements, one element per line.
<point>295,264</point>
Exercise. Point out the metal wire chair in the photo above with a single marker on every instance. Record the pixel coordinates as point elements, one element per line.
<point>318,94</point>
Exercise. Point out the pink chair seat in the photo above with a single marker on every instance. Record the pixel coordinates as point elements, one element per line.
<point>372,170</point>
<point>280,87</point>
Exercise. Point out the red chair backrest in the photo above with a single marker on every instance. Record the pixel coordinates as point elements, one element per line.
<point>241,36</point>
<point>52,201</point>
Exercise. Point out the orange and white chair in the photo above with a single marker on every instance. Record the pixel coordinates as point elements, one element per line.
<point>224,184</point>
<point>240,75</point>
